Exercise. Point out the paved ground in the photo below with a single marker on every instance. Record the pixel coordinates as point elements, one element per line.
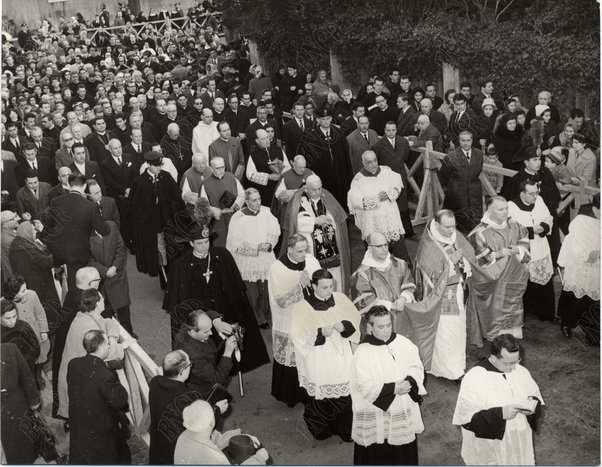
<point>567,371</point>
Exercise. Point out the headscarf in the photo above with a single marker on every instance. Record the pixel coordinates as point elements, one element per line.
<point>27,231</point>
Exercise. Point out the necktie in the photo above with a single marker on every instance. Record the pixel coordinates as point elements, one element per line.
<point>366,137</point>
<point>301,125</point>
<point>139,149</point>
<point>458,117</point>
<point>34,166</point>
<point>35,193</point>
<point>39,145</point>
<point>467,155</point>
<point>328,136</point>
<point>119,162</point>
<point>100,208</point>
<point>17,143</point>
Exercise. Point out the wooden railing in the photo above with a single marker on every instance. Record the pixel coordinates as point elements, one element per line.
<point>138,370</point>
<point>431,194</point>
<point>180,23</point>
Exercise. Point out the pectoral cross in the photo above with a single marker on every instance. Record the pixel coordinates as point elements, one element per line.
<point>207,275</point>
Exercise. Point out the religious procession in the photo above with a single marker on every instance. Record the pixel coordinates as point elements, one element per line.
<point>252,259</point>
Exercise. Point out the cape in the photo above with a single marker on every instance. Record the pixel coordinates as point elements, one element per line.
<point>289,227</point>
<point>419,321</point>
<point>184,294</point>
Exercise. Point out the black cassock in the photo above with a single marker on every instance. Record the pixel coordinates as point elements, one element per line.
<point>188,290</point>
<point>154,206</point>
<point>329,160</point>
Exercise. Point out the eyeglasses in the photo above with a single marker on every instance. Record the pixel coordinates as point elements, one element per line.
<point>94,280</point>
<point>220,168</point>
<point>66,140</point>
<point>186,367</point>
<point>510,363</point>
<point>382,245</point>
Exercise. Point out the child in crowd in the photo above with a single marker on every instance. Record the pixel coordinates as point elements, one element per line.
<point>491,157</point>
<point>555,159</point>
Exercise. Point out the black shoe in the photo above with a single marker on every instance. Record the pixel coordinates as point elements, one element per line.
<point>346,438</point>
<point>265,326</point>
<point>566,330</point>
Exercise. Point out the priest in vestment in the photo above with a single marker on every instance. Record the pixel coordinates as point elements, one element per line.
<point>381,279</point>
<point>436,322</point>
<point>252,236</point>
<point>530,210</point>
<point>193,178</point>
<point>290,182</point>
<point>288,283</point>
<point>325,326</point>
<point>315,213</point>
<point>225,195</point>
<point>499,282</point>
<point>206,277</point>
<point>372,199</point>
<point>498,408</point>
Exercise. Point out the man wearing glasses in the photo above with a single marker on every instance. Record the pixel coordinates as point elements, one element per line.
<point>529,210</point>
<point>498,408</point>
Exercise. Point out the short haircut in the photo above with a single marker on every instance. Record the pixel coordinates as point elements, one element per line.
<point>198,416</point>
<point>193,318</point>
<point>78,145</point>
<point>93,340</point>
<point>320,274</point>
<point>504,341</point>
<point>294,239</point>
<point>250,191</point>
<point>7,305</point>
<point>491,200</point>
<point>439,215</point>
<point>356,105</point>
<point>174,362</point>
<point>220,124</point>
<point>77,180</point>
<point>465,84</point>
<point>376,311</point>
<point>577,113</point>
<point>29,147</point>
<point>483,82</point>
<point>525,183</point>
<point>90,297</point>
<point>580,137</point>
<point>31,173</point>
<point>459,97</point>
<point>12,285</point>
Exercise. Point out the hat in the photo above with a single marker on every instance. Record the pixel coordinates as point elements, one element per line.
<point>539,108</point>
<point>292,65</point>
<point>239,449</point>
<point>153,157</point>
<point>488,101</point>
<point>324,112</point>
<point>6,216</point>
<point>526,153</point>
<point>491,150</point>
<point>555,154</point>
<point>203,218</point>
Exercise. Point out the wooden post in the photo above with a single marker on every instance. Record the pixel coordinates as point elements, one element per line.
<point>451,76</point>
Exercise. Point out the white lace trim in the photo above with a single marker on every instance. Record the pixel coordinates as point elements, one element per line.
<point>283,349</point>
<point>254,268</point>
<point>385,220</point>
<point>325,391</point>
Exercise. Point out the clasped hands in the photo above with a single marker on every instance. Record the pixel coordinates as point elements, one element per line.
<point>328,330</point>
<point>507,252</point>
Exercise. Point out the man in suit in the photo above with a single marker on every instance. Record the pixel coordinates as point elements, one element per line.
<point>350,124</point>
<point>459,177</point>
<point>68,224</point>
<point>486,90</point>
<point>63,186</point>
<point>228,148</point>
<point>293,129</point>
<point>137,148</point>
<point>136,122</point>
<point>64,156</point>
<point>96,398</point>
<point>109,256</point>
<point>210,94</point>
<point>88,169</point>
<point>462,119</point>
<point>30,161</point>
<point>406,121</point>
<point>359,141</point>
<point>393,151</point>
<point>436,118</point>
<point>45,146</point>
<point>13,141</point>
<point>98,141</point>
<point>236,116</point>
<point>33,197</point>
<point>8,183</point>
<point>106,204</point>
<point>260,123</point>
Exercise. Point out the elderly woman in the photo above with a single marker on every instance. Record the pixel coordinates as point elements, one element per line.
<point>342,107</point>
<point>30,311</point>
<point>387,385</point>
<point>88,318</point>
<point>30,258</point>
<point>580,257</point>
<point>18,332</point>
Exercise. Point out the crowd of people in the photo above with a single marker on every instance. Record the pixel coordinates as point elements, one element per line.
<point>237,190</point>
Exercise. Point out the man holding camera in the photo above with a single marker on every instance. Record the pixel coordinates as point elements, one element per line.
<point>208,368</point>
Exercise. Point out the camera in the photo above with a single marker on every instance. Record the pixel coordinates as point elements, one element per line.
<point>239,334</point>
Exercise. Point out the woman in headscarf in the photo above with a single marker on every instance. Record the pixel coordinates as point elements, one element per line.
<point>507,140</point>
<point>31,259</point>
<point>30,311</point>
<point>18,332</point>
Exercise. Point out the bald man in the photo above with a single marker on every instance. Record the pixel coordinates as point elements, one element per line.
<point>290,182</point>
<point>193,178</point>
<point>63,186</point>
<point>176,146</point>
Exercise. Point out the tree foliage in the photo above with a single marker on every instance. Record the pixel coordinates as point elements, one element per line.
<point>522,44</point>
